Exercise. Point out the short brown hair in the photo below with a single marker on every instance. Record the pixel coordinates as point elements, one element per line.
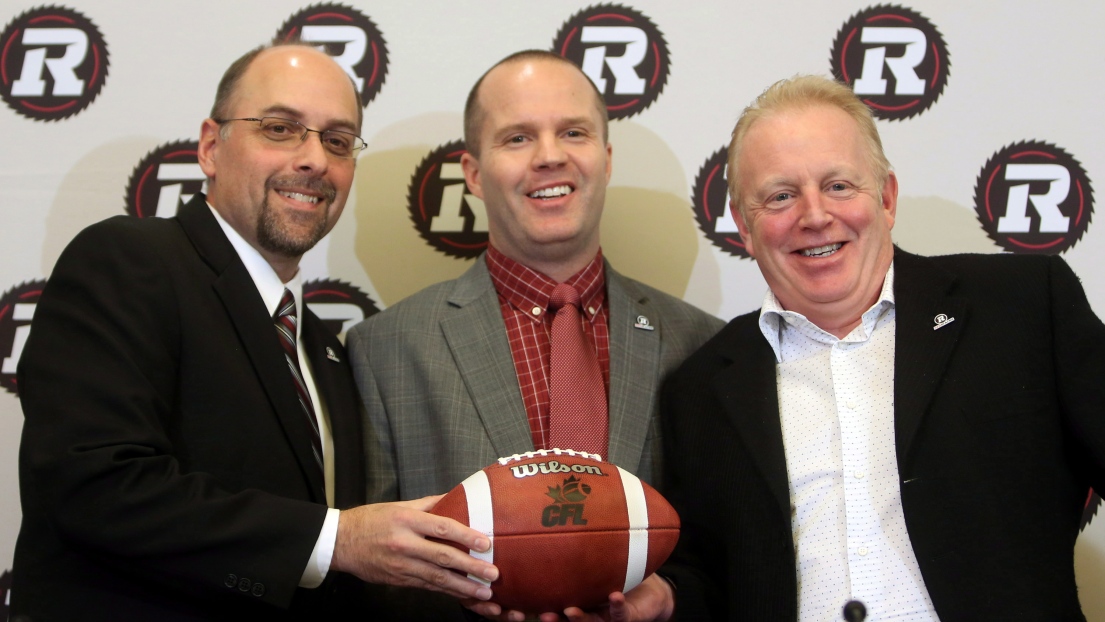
<point>806,92</point>
<point>474,113</point>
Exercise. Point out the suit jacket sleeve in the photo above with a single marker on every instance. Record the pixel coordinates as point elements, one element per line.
<point>100,381</point>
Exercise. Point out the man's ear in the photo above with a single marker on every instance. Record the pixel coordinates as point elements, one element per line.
<point>742,226</point>
<point>208,145</point>
<point>471,167</point>
<point>890,199</point>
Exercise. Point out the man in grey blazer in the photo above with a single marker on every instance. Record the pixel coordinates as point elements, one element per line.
<point>456,375</point>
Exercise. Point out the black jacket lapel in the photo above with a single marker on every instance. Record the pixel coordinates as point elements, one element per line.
<point>251,319</point>
<point>929,322</point>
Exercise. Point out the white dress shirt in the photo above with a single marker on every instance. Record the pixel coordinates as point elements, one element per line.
<point>836,403</point>
<point>271,289</point>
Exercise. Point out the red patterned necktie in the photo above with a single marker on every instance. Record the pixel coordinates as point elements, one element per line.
<point>286,321</point>
<point>577,394</point>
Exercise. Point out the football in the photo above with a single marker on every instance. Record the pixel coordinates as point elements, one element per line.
<point>566,528</point>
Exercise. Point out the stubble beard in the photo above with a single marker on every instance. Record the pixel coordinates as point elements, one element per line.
<point>275,230</point>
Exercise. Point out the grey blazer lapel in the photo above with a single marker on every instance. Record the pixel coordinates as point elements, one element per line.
<point>476,335</point>
<point>634,365</point>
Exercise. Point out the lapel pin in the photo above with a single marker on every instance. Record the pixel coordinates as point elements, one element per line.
<point>643,323</point>
<point>942,321</point>
<point>330,355</point>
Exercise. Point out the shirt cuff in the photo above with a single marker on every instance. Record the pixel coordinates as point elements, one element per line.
<point>323,553</point>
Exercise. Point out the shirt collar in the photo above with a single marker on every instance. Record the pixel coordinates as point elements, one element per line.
<point>774,319</point>
<point>529,291</point>
<point>264,277</point>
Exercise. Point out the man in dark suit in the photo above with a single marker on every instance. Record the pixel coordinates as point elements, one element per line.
<point>461,373</point>
<point>190,450</point>
<point>919,434</point>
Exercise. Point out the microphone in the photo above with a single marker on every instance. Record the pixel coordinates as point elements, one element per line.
<point>854,611</point>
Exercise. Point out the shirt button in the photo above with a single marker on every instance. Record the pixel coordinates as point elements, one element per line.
<point>591,310</point>
<point>536,311</point>
<point>851,404</point>
<point>863,551</point>
<point>858,474</point>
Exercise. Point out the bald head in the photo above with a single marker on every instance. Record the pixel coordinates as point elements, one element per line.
<point>228,85</point>
<point>475,108</point>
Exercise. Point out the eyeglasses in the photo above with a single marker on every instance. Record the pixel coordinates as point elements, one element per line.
<point>280,132</point>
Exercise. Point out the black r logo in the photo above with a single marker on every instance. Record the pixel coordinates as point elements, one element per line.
<point>164,180</point>
<point>446,214</point>
<point>1034,197</point>
<point>712,208</point>
<point>338,304</point>
<point>350,37</point>
<point>17,308</point>
<point>53,63</point>
<point>894,59</point>
<point>622,51</point>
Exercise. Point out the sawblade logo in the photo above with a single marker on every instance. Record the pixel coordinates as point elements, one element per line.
<point>338,304</point>
<point>348,35</point>
<point>1033,197</point>
<point>164,180</point>
<point>712,208</point>
<point>894,59</point>
<point>446,214</point>
<point>17,308</point>
<point>53,63</point>
<point>623,53</point>
<point>1093,502</point>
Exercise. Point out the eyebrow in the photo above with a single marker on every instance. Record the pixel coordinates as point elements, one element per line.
<point>295,115</point>
<point>583,122</point>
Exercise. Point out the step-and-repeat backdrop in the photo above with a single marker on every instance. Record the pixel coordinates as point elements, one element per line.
<point>991,114</point>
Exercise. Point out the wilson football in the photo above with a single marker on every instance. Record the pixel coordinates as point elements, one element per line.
<point>566,528</point>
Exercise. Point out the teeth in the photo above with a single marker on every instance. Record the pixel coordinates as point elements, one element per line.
<point>298,196</point>
<point>822,251</point>
<point>546,193</point>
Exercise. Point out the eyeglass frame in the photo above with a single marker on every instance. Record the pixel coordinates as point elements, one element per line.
<point>303,137</point>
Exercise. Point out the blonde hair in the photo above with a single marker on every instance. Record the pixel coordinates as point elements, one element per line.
<point>802,92</point>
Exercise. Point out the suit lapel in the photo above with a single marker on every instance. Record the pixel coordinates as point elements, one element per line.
<point>922,348</point>
<point>246,310</point>
<point>747,388</point>
<point>335,386</point>
<point>634,361</point>
<point>476,334</point>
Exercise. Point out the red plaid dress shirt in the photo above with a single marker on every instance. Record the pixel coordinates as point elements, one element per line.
<point>524,301</point>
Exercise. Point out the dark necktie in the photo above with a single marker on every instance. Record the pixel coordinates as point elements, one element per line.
<point>577,394</point>
<point>286,321</point>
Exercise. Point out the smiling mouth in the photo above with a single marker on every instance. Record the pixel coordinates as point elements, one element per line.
<point>551,193</point>
<point>821,251</point>
<point>299,196</point>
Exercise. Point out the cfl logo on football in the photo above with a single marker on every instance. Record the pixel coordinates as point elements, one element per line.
<point>30,82</point>
<point>553,466</point>
<point>560,515</point>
